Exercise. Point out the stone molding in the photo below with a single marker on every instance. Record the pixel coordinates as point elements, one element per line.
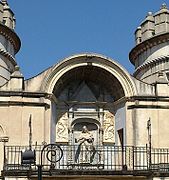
<point>148,107</point>
<point>23,94</point>
<point>4,68</point>
<point>18,103</point>
<point>9,56</point>
<point>151,63</point>
<point>147,44</point>
<point>95,60</point>
<point>149,99</point>
<point>11,36</point>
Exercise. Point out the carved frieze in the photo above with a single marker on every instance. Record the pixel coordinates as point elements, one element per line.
<point>62,129</point>
<point>108,128</point>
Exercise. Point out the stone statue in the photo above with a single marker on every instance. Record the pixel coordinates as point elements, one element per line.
<point>86,150</point>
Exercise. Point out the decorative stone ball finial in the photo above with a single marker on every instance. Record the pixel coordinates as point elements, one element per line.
<point>17,68</point>
<point>149,14</point>
<point>164,6</point>
<point>4,1</point>
<point>16,72</point>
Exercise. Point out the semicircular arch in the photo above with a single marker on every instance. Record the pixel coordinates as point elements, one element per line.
<point>94,60</point>
<point>85,120</point>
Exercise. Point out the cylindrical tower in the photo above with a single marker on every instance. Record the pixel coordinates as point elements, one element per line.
<point>9,42</point>
<point>150,56</point>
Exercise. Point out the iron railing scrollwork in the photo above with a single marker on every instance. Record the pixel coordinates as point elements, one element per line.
<point>107,157</point>
<point>53,153</point>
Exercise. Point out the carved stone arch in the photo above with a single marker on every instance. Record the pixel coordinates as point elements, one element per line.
<point>93,126</point>
<point>86,69</point>
<point>95,60</point>
<point>85,119</point>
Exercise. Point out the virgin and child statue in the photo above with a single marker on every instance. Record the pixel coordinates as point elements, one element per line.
<point>86,151</point>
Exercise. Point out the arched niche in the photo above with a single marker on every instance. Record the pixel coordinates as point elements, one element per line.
<point>92,126</point>
<point>88,84</point>
<point>88,87</point>
<point>91,59</point>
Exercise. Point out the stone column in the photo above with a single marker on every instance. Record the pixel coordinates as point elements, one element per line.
<point>71,151</point>
<point>101,118</point>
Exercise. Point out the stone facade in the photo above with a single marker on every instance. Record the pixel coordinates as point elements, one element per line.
<point>88,90</point>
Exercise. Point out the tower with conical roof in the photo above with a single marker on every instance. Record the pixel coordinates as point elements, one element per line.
<point>9,42</point>
<point>150,56</point>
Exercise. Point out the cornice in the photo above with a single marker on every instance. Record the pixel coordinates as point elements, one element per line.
<point>9,56</point>
<point>148,107</point>
<point>147,44</point>
<point>11,36</point>
<point>17,103</point>
<point>149,98</point>
<point>23,94</point>
<point>152,63</point>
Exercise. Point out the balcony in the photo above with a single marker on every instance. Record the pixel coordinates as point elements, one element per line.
<point>103,160</point>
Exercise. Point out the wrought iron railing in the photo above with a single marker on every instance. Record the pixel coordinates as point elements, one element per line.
<point>160,160</point>
<point>101,158</point>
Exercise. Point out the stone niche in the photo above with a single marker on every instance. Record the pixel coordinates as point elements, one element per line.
<point>108,126</point>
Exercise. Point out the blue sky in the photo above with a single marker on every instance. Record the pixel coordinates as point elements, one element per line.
<point>54,29</point>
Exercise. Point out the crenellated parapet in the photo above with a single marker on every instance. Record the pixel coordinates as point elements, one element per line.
<point>6,15</point>
<point>153,25</point>
<point>150,56</point>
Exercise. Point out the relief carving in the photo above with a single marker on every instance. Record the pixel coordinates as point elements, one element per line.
<point>108,126</point>
<point>62,129</point>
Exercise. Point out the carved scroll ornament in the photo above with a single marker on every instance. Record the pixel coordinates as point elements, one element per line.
<point>108,126</point>
<point>62,129</point>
